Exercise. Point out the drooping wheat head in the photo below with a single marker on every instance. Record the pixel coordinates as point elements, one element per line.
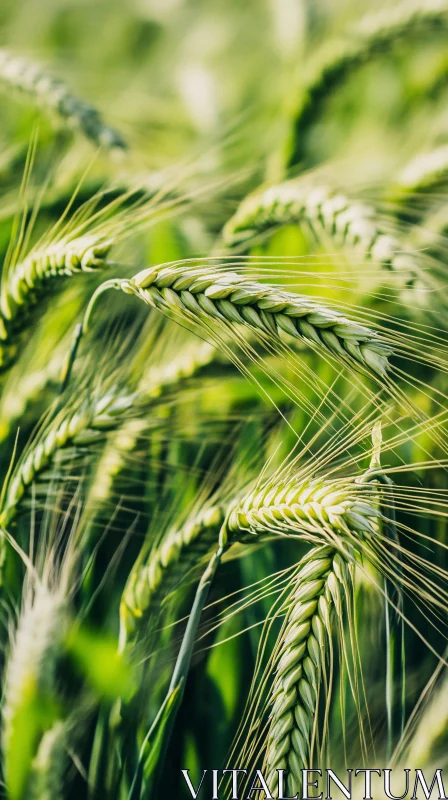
<point>51,93</point>
<point>207,296</point>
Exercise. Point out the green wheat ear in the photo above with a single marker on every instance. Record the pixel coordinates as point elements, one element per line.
<point>351,225</point>
<point>153,577</point>
<point>17,73</point>
<point>30,683</point>
<point>201,295</point>
<point>301,653</point>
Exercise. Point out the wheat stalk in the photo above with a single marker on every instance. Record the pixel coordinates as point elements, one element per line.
<point>300,655</point>
<point>20,74</point>
<point>202,295</point>
<point>30,675</point>
<point>180,550</point>
<point>349,223</point>
<point>338,60</point>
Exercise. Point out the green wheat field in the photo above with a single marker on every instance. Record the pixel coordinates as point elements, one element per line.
<point>223,395</point>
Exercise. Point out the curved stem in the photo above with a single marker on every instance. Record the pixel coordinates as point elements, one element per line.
<point>81,329</point>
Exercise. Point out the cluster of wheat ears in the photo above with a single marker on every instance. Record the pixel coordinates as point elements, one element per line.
<point>223,500</point>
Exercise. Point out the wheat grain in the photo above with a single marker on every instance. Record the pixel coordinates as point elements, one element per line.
<point>349,223</point>
<point>300,657</point>
<point>30,677</point>
<point>201,295</point>
<point>18,73</point>
<point>338,60</point>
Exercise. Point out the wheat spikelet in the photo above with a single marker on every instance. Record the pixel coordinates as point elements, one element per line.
<point>300,655</point>
<point>349,223</point>
<point>30,676</point>
<point>51,93</point>
<point>338,60</point>
<point>316,509</point>
<point>23,286</point>
<point>47,775</point>
<point>207,294</point>
<point>181,549</point>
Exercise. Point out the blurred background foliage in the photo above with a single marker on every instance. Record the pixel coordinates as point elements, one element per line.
<point>206,94</point>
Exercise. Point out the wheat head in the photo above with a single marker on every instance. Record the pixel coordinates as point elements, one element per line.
<point>300,659</point>
<point>30,673</point>
<point>181,550</point>
<point>203,295</point>
<point>349,223</point>
<point>20,74</point>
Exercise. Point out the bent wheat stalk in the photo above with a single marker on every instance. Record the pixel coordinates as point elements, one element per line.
<point>318,511</point>
<point>349,223</point>
<point>18,73</point>
<point>207,295</point>
<point>300,654</point>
